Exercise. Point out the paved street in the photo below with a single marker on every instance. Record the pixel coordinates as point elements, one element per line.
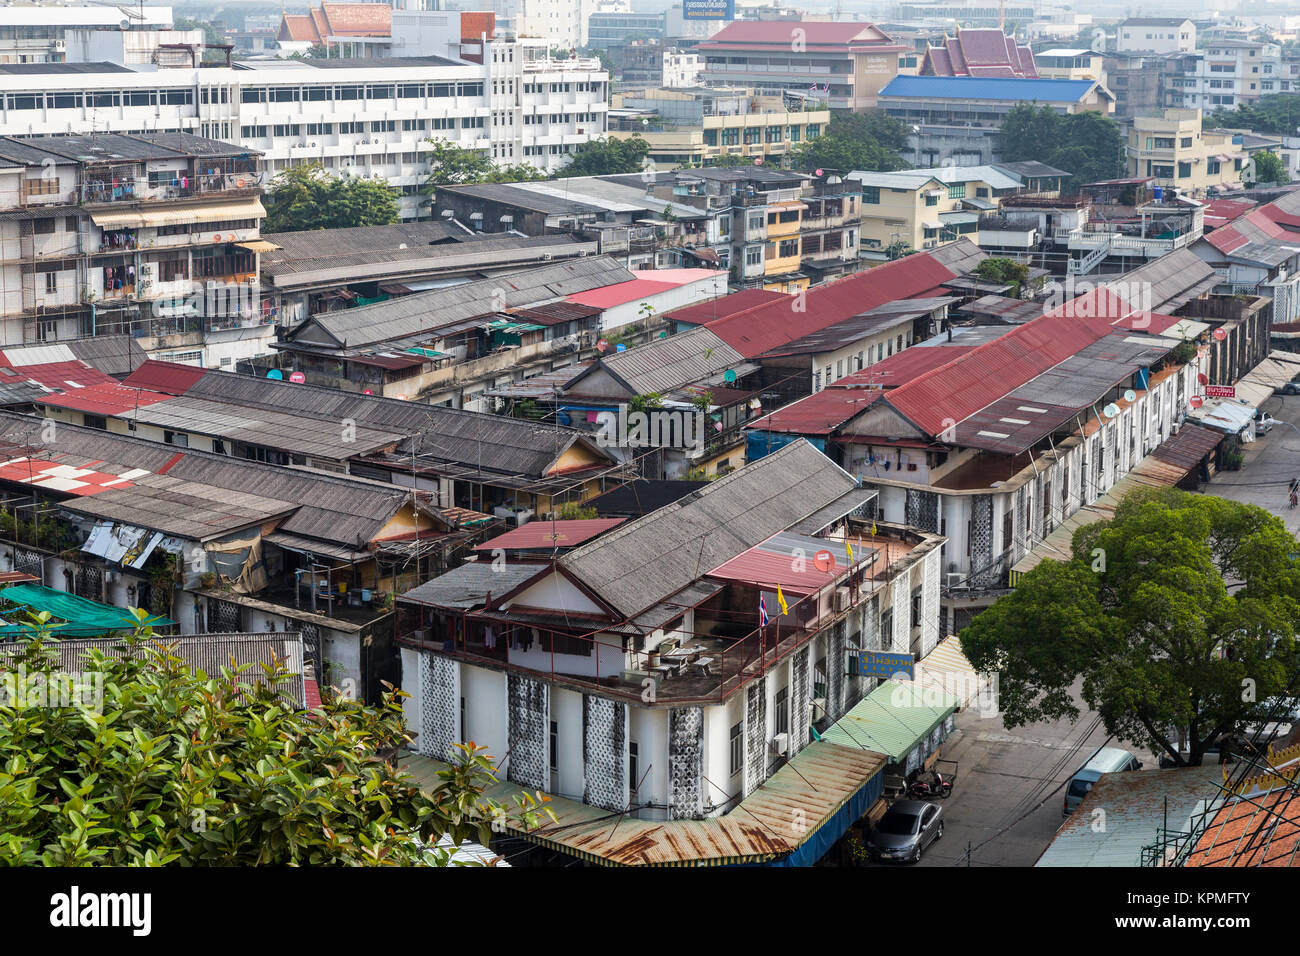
<point>1270,463</point>
<point>1003,774</point>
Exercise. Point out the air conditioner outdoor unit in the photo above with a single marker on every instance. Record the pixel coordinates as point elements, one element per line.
<point>954,580</point>
<point>818,709</point>
<point>780,745</point>
<point>842,599</point>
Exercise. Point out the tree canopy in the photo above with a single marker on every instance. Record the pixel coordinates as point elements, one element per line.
<point>1086,145</point>
<point>307,197</point>
<point>867,141</point>
<point>167,765</point>
<point>1277,114</point>
<point>1004,270</point>
<point>1177,614</point>
<point>452,165</point>
<point>1269,168</point>
<point>607,157</point>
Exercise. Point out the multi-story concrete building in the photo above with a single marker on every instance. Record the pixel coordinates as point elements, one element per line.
<point>1227,73</point>
<point>845,64</point>
<point>358,117</point>
<point>1156,35</point>
<point>694,126</point>
<point>1174,151</point>
<point>38,33</point>
<point>608,30</point>
<point>1061,63</point>
<point>654,668</point>
<point>151,235</point>
<point>958,119</point>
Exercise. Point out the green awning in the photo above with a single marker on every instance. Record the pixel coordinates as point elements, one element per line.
<point>427,353</point>
<point>893,719</point>
<point>81,616</point>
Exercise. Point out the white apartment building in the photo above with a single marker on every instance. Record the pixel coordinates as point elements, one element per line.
<point>34,33</point>
<point>356,117</point>
<point>1228,73</point>
<point>1156,35</point>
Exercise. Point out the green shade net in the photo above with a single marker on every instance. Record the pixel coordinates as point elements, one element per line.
<point>83,617</point>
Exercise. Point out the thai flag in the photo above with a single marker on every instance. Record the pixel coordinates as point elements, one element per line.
<point>762,611</point>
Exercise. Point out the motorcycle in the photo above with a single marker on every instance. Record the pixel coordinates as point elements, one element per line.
<point>937,786</point>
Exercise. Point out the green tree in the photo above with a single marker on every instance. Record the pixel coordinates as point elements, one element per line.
<point>1002,270</point>
<point>1086,145</point>
<point>727,160</point>
<point>173,766</point>
<point>1179,612</point>
<point>306,197</point>
<point>643,403</point>
<point>1269,168</point>
<point>452,165</point>
<point>1277,114</point>
<point>867,141</point>
<point>607,157</point>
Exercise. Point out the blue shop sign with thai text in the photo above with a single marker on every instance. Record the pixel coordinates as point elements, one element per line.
<point>881,664</point>
<point>708,9</point>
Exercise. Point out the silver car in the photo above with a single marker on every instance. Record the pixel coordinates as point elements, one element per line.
<point>904,832</point>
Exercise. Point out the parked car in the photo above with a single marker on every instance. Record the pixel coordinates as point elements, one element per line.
<point>904,832</point>
<point>1105,760</point>
<point>1263,422</point>
<point>1290,388</point>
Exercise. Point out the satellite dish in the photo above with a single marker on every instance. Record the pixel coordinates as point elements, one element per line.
<point>729,376</point>
<point>1130,395</point>
<point>124,25</point>
<point>1111,410</point>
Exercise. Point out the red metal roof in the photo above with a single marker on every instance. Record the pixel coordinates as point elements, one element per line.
<point>549,534</point>
<point>902,368</point>
<point>762,328</point>
<point>109,398</point>
<point>820,413</point>
<point>723,306</point>
<point>945,395</point>
<point>778,34</point>
<point>63,376</point>
<point>1221,211</point>
<point>650,282</point>
<point>169,377</point>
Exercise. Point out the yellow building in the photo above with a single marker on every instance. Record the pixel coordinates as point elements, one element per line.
<point>1174,151</point>
<point>1068,64</point>
<point>912,208</point>
<point>691,127</point>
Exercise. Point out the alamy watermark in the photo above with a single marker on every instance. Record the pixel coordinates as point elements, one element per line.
<point>652,428</point>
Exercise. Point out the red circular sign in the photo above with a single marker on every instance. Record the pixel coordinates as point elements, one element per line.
<point>1203,378</point>
<point>823,560</point>
<point>366,391</point>
<point>1219,334</point>
<point>1196,401</point>
<point>758,161</point>
<point>297,377</point>
<point>602,345</point>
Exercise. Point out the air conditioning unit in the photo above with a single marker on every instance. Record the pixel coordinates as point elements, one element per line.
<point>780,745</point>
<point>842,600</point>
<point>955,580</point>
<point>818,709</point>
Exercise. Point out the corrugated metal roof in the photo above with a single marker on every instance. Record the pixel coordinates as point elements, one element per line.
<point>208,653</point>
<point>723,306</point>
<point>646,560</point>
<point>760,328</point>
<point>469,585</point>
<point>426,312</point>
<point>892,719</point>
<point>773,563</point>
<point>902,367</point>
<point>819,413</point>
<point>874,321</point>
<point>1137,805</point>
<point>545,535</point>
<point>1007,89</point>
<point>846,504</point>
<point>663,365</point>
<point>812,787</point>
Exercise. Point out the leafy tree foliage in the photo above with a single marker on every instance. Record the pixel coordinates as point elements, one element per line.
<point>1277,114</point>
<point>306,197</point>
<point>607,157</point>
<point>1269,168</point>
<point>452,165</point>
<point>178,767</point>
<point>867,141</point>
<point>1087,145</point>
<point>1004,270</point>
<point>1180,612</point>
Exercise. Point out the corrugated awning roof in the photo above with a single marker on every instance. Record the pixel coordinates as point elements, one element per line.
<point>173,215</point>
<point>816,784</point>
<point>893,719</point>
